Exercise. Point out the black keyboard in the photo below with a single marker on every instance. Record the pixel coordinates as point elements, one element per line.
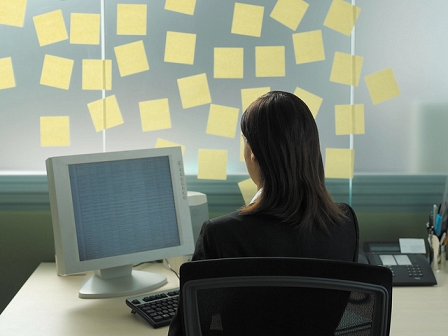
<point>156,308</point>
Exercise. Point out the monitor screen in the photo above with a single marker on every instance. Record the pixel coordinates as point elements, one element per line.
<point>113,210</point>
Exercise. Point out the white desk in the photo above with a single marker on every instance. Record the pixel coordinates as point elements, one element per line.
<point>49,305</point>
<point>421,310</point>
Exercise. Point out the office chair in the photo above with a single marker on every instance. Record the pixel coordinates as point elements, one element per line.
<point>284,296</point>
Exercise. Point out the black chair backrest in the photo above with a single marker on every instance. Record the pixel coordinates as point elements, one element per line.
<point>285,296</point>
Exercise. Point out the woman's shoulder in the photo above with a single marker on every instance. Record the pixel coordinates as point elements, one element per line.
<point>347,209</point>
<point>227,218</point>
<point>236,221</point>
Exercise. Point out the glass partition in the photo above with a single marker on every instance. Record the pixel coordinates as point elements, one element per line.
<point>182,73</point>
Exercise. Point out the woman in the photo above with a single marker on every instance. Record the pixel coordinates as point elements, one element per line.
<point>292,214</point>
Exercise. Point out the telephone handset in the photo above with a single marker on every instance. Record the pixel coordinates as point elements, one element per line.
<point>407,269</point>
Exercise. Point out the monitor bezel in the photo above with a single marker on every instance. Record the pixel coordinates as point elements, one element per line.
<point>66,245</point>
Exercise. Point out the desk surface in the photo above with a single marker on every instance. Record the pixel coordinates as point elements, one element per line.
<point>49,305</point>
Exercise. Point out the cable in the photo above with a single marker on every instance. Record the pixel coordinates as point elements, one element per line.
<point>172,270</point>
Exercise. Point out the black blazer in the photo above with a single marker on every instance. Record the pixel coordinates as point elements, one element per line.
<point>233,235</point>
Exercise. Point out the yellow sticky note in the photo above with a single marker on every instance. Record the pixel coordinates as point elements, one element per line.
<point>162,143</point>
<point>248,190</point>
<point>105,113</point>
<point>54,131</point>
<point>6,73</point>
<point>289,12</point>
<point>222,121</point>
<point>96,74</point>
<point>155,114</point>
<point>12,12</point>
<point>342,17</point>
<point>339,163</point>
<point>212,164</point>
<point>382,85</point>
<point>247,19</point>
<point>56,72</point>
<point>242,142</point>
<point>194,90</point>
<point>180,47</point>
<point>346,68</point>
<point>311,100</point>
<point>308,47</point>
<point>228,63</point>
<point>131,58</point>
<point>248,96</point>
<point>50,27</point>
<point>85,28</point>
<point>270,61</point>
<point>349,119</point>
<point>181,6</point>
<point>131,19</point>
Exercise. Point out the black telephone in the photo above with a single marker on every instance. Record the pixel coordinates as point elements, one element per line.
<point>407,269</point>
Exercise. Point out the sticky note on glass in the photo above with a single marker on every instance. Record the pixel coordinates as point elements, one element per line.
<point>131,19</point>
<point>349,119</point>
<point>84,28</point>
<point>155,114</point>
<point>242,143</point>
<point>180,47</point>
<point>56,72</point>
<point>346,68</point>
<point>105,113</point>
<point>12,12</point>
<point>382,86</point>
<point>181,6</point>
<point>96,74</point>
<point>248,190</point>
<point>247,19</point>
<point>289,12</point>
<point>194,90</point>
<point>50,27</point>
<point>248,96</point>
<point>162,143</point>
<point>212,164</point>
<point>7,79</point>
<point>339,163</point>
<point>270,61</point>
<point>342,17</point>
<point>308,47</point>
<point>311,100</point>
<point>228,63</point>
<point>131,58</point>
<point>54,131</point>
<point>222,121</point>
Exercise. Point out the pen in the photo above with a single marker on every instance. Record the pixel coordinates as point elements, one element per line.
<point>438,225</point>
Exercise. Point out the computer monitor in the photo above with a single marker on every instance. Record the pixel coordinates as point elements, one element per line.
<point>116,209</point>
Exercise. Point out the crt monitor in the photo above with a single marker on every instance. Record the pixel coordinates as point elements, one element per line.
<point>115,209</point>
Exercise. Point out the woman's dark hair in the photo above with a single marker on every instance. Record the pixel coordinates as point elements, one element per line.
<point>283,136</point>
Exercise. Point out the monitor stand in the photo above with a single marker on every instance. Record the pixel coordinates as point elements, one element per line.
<point>119,281</point>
